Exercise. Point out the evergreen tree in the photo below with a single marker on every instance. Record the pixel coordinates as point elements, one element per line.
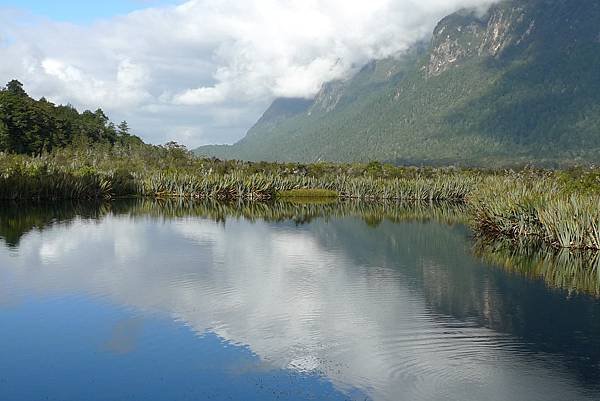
<point>123,128</point>
<point>4,138</point>
<point>16,88</point>
<point>30,126</point>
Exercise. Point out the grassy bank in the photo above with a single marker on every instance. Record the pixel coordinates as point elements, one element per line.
<point>111,173</point>
<point>542,207</point>
<point>558,208</point>
<point>308,193</point>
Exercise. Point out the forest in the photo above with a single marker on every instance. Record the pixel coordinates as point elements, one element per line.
<point>29,126</point>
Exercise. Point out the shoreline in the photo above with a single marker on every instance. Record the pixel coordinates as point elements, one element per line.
<point>559,208</point>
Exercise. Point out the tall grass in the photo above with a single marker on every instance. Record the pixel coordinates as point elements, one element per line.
<point>561,209</point>
<point>536,207</point>
<point>48,178</point>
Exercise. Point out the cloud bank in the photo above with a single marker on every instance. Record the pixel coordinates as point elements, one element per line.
<point>203,71</point>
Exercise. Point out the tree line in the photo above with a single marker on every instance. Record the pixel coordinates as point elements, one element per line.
<point>29,126</point>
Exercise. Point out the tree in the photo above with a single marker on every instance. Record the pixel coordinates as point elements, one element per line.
<point>123,128</point>
<point>34,126</point>
<point>16,88</point>
<point>101,116</point>
<point>176,151</point>
<point>173,145</point>
<point>4,137</point>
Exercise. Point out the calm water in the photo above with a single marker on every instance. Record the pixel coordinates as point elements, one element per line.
<point>154,302</point>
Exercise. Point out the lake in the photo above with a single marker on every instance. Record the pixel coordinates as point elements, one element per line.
<point>144,300</point>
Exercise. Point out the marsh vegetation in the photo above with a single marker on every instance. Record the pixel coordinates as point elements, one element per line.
<point>559,208</point>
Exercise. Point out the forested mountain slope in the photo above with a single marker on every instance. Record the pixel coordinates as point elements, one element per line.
<point>520,84</point>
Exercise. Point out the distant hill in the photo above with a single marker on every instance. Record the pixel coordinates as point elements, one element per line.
<point>520,84</point>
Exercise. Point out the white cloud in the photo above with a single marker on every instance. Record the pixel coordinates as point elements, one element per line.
<point>183,65</point>
<point>61,71</point>
<point>200,96</point>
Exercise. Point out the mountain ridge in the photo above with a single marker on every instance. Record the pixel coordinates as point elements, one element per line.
<point>518,84</point>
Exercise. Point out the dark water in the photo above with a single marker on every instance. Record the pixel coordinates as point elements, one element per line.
<point>158,302</point>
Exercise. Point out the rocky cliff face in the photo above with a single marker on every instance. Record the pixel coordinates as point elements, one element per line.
<point>328,97</point>
<point>455,38</point>
<point>465,34</point>
<point>374,74</point>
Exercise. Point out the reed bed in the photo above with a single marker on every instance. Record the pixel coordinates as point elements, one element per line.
<point>53,185</point>
<point>561,209</point>
<point>446,188</point>
<point>265,187</point>
<point>522,207</point>
<point>41,178</point>
<point>23,178</point>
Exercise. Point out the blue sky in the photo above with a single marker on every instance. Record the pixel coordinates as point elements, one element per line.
<point>80,11</point>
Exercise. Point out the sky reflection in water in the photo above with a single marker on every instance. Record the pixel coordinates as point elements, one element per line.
<point>152,308</point>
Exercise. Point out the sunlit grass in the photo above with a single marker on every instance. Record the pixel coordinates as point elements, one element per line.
<point>561,209</point>
<point>308,193</point>
<point>536,207</point>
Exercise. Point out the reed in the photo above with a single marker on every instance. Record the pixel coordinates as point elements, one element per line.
<point>561,209</point>
<point>519,207</point>
<point>94,178</point>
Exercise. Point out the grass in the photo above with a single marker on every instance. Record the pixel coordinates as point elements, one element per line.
<point>89,174</point>
<point>558,208</point>
<point>308,193</point>
<point>537,207</point>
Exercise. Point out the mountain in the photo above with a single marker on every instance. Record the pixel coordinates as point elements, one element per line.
<point>519,84</point>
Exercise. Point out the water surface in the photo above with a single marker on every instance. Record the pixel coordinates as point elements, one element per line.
<point>146,301</point>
